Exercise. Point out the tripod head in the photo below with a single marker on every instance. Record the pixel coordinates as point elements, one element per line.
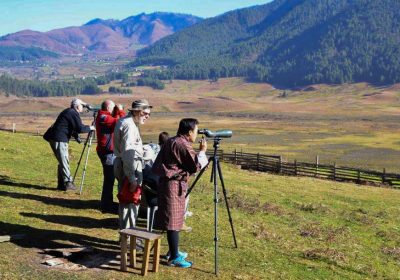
<point>217,141</point>
<point>94,116</point>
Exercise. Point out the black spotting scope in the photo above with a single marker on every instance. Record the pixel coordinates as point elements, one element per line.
<point>91,108</point>
<point>216,134</point>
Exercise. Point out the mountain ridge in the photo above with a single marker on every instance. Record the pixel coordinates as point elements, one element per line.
<point>103,37</point>
<point>288,42</point>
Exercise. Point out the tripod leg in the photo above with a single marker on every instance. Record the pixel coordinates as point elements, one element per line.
<point>197,178</point>
<point>226,202</point>
<point>86,161</point>
<point>80,159</point>
<point>214,178</point>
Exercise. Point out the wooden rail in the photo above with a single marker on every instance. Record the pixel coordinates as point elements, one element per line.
<point>275,164</point>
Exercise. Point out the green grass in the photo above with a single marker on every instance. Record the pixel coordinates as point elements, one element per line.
<point>286,227</point>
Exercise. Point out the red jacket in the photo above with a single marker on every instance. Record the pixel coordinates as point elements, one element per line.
<point>105,124</point>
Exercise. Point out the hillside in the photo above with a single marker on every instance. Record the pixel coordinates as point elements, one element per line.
<point>289,42</point>
<point>103,37</point>
<point>286,227</point>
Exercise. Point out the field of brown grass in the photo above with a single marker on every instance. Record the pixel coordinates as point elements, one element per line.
<point>352,124</point>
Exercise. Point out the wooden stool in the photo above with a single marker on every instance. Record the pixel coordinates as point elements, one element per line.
<point>147,237</point>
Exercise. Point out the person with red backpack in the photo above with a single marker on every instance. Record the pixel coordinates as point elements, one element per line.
<point>128,163</point>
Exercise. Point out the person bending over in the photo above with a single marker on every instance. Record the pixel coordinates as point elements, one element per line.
<point>176,161</point>
<point>67,124</point>
<point>106,120</point>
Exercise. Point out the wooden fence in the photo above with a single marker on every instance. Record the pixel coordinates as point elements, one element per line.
<point>276,164</point>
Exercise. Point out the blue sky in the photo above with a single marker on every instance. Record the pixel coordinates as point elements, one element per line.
<point>44,15</point>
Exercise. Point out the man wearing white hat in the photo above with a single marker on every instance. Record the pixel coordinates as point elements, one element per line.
<point>68,124</point>
<point>128,165</point>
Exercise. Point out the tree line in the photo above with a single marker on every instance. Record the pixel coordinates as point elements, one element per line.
<point>13,86</point>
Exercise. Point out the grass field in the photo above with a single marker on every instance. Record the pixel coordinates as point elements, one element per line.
<point>354,125</point>
<point>286,227</point>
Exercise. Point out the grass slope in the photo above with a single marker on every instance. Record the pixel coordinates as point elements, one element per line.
<point>286,227</point>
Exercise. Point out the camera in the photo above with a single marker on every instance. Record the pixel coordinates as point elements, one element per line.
<point>91,108</point>
<point>225,133</point>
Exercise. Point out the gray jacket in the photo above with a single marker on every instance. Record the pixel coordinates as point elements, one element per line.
<point>128,149</point>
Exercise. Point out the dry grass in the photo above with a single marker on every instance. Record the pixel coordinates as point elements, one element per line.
<point>353,125</point>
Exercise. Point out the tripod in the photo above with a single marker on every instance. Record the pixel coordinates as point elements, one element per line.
<point>216,171</point>
<point>88,145</point>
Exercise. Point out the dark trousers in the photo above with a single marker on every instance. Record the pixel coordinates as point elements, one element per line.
<point>108,181</point>
<point>173,243</point>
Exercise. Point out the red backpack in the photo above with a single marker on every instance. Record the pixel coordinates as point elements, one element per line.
<point>125,196</point>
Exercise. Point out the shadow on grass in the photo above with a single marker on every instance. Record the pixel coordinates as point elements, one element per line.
<point>74,221</point>
<point>5,180</point>
<point>63,202</point>
<point>45,239</point>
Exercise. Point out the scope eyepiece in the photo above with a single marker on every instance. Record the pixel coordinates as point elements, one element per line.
<point>216,134</point>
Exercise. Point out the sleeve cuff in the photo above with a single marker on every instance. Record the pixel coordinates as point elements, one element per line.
<point>202,157</point>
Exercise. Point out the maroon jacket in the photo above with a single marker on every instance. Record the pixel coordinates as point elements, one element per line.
<point>176,161</point>
<point>105,124</point>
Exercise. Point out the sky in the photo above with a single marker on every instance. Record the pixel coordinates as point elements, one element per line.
<point>45,15</point>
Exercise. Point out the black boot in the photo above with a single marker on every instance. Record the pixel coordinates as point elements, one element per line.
<point>69,186</point>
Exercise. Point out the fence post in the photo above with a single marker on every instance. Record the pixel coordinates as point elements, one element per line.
<point>14,127</point>
<point>280,165</point>
<point>384,175</point>
<point>222,155</point>
<point>316,165</point>
<point>258,161</point>
<point>235,160</point>
<point>295,167</point>
<point>334,171</point>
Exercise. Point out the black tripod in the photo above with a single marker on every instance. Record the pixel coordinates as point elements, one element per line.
<point>88,145</point>
<point>216,171</point>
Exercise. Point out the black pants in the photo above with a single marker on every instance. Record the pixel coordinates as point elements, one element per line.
<point>173,243</point>
<point>108,181</point>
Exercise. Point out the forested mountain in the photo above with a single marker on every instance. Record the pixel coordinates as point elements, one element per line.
<point>24,54</point>
<point>100,37</point>
<point>289,42</point>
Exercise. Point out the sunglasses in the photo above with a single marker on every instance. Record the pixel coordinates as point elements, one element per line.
<point>145,113</point>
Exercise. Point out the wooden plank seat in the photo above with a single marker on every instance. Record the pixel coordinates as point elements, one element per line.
<point>133,234</point>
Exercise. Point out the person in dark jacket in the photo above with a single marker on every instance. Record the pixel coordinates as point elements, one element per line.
<point>174,164</point>
<point>68,124</point>
<point>106,119</point>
